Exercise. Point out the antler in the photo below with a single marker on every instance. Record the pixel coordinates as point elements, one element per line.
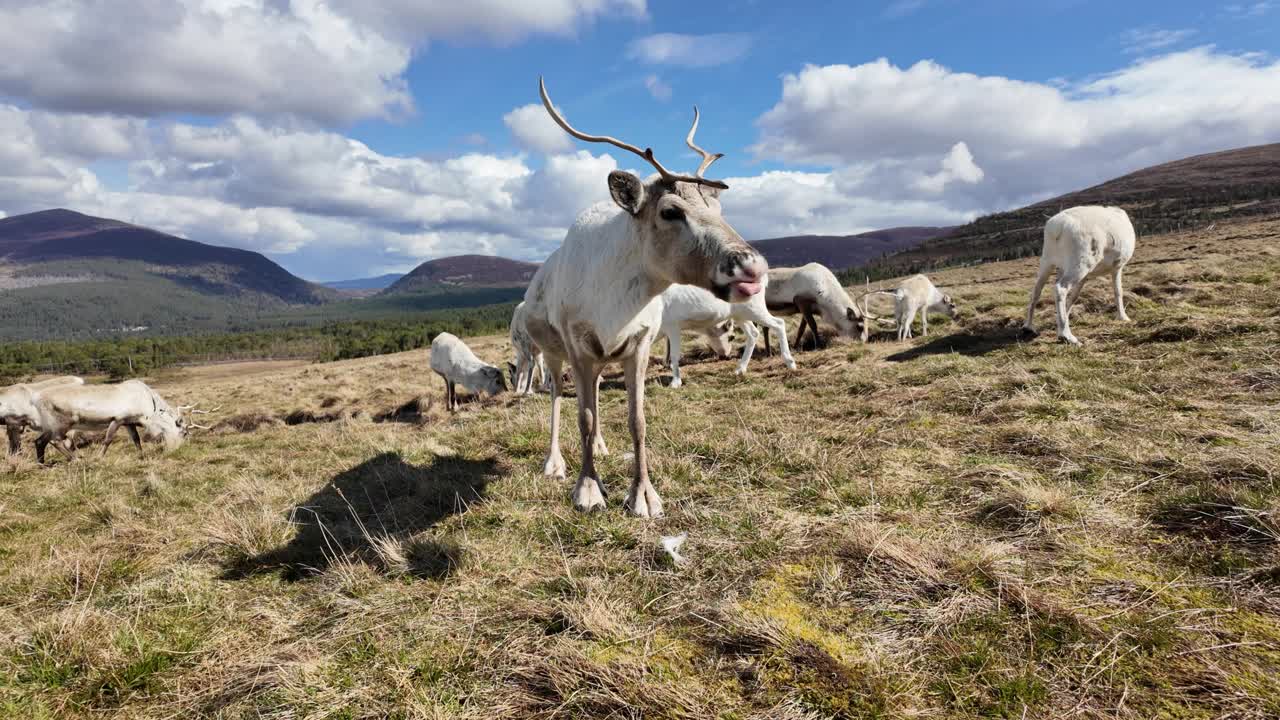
<point>198,426</point>
<point>707,158</point>
<point>192,409</point>
<point>647,153</point>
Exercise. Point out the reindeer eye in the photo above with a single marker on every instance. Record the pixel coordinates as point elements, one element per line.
<point>671,214</point>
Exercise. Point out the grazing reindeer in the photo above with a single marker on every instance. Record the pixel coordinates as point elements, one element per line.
<point>455,363</point>
<point>528,356</point>
<point>1080,242</point>
<point>917,294</point>
<point>812,290</point>
<point>594,301</point>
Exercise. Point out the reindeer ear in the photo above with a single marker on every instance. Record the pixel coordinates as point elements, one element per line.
<point>627,190</point>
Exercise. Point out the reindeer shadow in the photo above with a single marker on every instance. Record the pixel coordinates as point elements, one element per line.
<point>380,503</point>
<point>972,343</point>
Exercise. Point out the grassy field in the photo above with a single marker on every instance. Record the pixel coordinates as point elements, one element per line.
<point>963,525</point>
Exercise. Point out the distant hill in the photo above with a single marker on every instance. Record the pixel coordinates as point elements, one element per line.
<point>463,272</point>
<point>1189,193</point>
<point>841,251</point>
<point>380,282</point>
<point>66,274</point>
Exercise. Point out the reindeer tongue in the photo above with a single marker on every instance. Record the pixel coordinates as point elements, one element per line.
<point>746,288</point>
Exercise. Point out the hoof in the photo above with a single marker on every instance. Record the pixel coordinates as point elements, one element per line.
<point>598,448</point>
<point>791,364</point>
<point>554,467</point>
<point>675,382</point>
<point>645,504</point>
<point>1029,332</point>
<point>588,495</point>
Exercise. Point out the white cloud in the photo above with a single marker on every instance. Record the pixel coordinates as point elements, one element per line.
<point>658,89</point>
<point>329,61</point>
<point>780,203</point>
<point>957,166</point>
<point>201,56</point>
<point>1144,40</point>
<point>534,129</point>
<point>1033,139</point>
<point>690,50</point>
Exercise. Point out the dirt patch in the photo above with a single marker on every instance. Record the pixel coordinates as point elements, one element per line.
<point>247,422</point>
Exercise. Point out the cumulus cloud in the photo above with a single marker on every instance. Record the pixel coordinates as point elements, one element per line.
<point>957,166</point>
<point>200,56</point>
<point>658,89</point>
<point>1033,139</point>
<point>329,61</point>
<point>534,129</point>
<point>690,50</point>
<point>1143,40</point>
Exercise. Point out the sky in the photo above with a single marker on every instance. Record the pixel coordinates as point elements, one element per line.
<point>351,138</point>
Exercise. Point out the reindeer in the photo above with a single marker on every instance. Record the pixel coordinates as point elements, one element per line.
<point>811,290</point>
<point>595,300</point>
<point>1081,242</point>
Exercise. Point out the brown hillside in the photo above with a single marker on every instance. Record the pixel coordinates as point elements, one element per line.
<point>464,271</point>
<point>841,251</point>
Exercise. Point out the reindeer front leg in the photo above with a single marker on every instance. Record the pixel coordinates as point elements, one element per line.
<point>588,492</point>
<point>111,435</point>
<point>554,466</point>
<point>642,500</point>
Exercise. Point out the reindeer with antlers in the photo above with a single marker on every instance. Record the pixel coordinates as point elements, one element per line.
<point>593,301</point>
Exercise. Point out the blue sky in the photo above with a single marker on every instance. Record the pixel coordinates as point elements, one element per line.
<point>355,137</point>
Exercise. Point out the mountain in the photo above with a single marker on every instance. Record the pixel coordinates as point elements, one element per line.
<point>66,274</point>
<point>1189,193</point>
<point>841,251</point>
<point>381,282</point>
<point>463,272</point>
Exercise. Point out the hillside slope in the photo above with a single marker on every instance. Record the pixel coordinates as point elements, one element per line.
<point>463,272</point>
<point>65,274</point>
<point>841,251</point>
<point>1189,193</point>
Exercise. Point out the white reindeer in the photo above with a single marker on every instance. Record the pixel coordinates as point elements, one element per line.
<point>18,405</point>
<point>917,294</point>
<point>812,289</point>
<point>1080,242</point>
<point>528,356</point>
<point>687,307</point>
<point>454,361</point>
<point>595,300</point>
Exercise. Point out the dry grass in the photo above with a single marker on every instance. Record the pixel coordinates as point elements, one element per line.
<point>959,526</point>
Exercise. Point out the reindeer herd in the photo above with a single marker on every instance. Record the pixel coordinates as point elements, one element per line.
<point>659,260</point>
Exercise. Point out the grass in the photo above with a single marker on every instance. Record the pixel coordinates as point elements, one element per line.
<point>962,525</point>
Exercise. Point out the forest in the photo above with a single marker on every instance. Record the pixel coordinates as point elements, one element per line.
<point>124,357</point>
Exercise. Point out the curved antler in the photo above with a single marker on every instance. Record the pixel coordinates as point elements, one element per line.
<point>647,153</point>
<point>707,158</point>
